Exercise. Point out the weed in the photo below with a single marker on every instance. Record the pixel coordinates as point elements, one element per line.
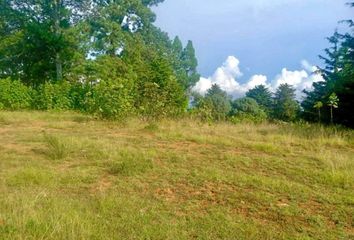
<point>57,148</point>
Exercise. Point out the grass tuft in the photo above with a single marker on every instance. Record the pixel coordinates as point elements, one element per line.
<point>152,127</point>
<point>4,120</point>
<point>129,163</point>
<point>57,148</point>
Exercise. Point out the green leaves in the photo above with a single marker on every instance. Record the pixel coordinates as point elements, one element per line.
<point>111,100</point>
<point>286,108</point>
<point>215,106</point>
<point>318,105</point>
<point>339,84</point>
<point>333,100</point>
<point>14,95</point>
<point>97,56</point>
<point>247,109</point>
<point>263,97</point>
<point>46,46</point>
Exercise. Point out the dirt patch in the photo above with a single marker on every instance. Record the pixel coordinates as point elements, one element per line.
<point>102,185</point>
<point>65,166</point>
<point>16,148</point>
<point>207,194</point>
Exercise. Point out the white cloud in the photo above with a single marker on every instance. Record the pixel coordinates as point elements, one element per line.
<point>307,66</point>
<point>256,80</point>
<point>300,80</point>
<point>203,85</point>
<point>226,77</point>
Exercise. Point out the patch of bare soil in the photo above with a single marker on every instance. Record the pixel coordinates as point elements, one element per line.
<point>101,186</point>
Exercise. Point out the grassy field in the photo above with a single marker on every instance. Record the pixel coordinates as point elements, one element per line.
<point>66,176</point>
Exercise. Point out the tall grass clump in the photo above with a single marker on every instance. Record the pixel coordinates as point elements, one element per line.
<point>56,148</point>
<point>129,163</point>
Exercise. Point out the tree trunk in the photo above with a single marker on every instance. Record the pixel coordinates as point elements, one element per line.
<point>58,62</point>
<point>319,115</point>
<point>59,67</point>
<point>331,114</point>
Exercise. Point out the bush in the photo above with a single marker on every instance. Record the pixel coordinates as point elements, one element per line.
<point>78,95</point>
<point>14,95</point>
<point>110,99</point>
<point>215,106</point>
<point>242,117</point>
<point>247,109</point>
<point>158,101</point>
<point>53,96</point>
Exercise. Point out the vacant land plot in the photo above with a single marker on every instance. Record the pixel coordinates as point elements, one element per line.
<point>66,176</point>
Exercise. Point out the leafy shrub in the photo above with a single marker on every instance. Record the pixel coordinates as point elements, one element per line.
<point>78,95</point>
<point>110,99</point>
<point>14,95</point>
<point>203,111</point>
<point>158,101</point>
<point>215,106</point>
<point>247,110</point>
<point>242,117</point>
<point>53,96</point>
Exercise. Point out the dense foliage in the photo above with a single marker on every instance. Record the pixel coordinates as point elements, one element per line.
<point>339,81</point>
<point>247,109</point>
<point>107,58</point>
<point>102,57</point>
<point>258,106</point>
<point>262,96</point>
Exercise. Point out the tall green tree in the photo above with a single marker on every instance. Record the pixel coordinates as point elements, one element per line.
<point>185,63</point>
<point>263,97</point>
<point>216,105</point>
<point>286,108</point>
<point>330,73</point>
<point>39,33</point>
<point>190,63</point>
<point>177,47</point>
<point>339,78</point>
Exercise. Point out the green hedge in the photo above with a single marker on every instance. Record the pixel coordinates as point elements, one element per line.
<point>14,95</point>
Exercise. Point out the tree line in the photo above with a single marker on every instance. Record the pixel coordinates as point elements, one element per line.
<point>332,100</point>
<point>329,101</point>
<point>107,58</point>
<point>104,57</point>
<point>259,105</point>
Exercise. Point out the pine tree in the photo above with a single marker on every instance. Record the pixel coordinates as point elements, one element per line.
<point>263,97</point>
<point>330,73</point>
<point>286,108</point>
<point>339,78</point>
<point>190,63</point>
<point>216,105</point>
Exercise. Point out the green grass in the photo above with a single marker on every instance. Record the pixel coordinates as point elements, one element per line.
<point>67,176</point>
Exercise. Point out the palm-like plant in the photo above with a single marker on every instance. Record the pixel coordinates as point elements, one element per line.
<point>333,102</point>
<point>318,105</point>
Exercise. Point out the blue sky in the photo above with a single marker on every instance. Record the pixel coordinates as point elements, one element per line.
<point>265,36</point>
